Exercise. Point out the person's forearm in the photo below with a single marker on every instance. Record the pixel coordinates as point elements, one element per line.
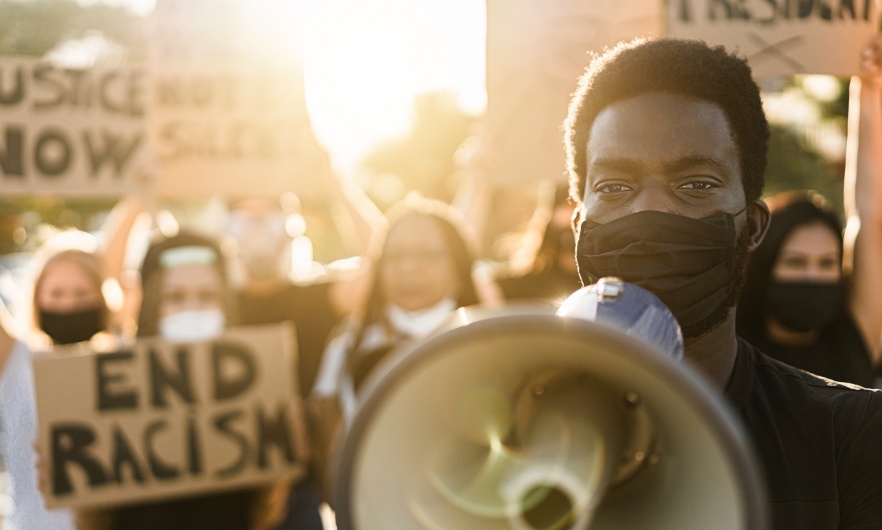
<point>118,229</point>
<point>862,256</point>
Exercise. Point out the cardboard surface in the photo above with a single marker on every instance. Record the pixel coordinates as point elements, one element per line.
<point>227,108</point>
<point>536,51</point>
<point>162,420</point>
<point>70,132</point>
<point>782,37</point>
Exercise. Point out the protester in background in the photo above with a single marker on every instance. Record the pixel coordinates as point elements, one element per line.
<point>421,273</point>
<point>799,304</point>
<point>18,423</point>
<point>552,275</point>
<point>265,231</point>
<point>68,307</point>
<point>187,298</point>
<point>795,305</point>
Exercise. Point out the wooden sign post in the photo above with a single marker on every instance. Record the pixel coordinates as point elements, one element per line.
<point>160,420</point>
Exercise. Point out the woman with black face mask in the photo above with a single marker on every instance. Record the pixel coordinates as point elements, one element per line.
<point>813,295</point>
<point>68,307</point>
<point>794,305</point>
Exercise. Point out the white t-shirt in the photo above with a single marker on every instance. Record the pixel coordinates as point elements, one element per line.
<point>18,430</point>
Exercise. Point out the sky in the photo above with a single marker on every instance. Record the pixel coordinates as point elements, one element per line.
<point>365,60</point>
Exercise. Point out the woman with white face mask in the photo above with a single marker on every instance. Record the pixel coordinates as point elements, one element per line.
<point>422,272</point>
<point>186,294</point>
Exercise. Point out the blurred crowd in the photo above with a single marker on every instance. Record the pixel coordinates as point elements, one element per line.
<point>810,299</point>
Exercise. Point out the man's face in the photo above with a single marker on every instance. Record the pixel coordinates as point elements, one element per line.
<point>667,153</point>
<point>662,152</point>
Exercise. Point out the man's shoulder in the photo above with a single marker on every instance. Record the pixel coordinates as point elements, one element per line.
<point>818,441</point>
<point>772,374</point>
<point>798,404</point>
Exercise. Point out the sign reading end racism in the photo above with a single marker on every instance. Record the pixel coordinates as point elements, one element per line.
<point>70,131</point>
<point>160,419</point>
<point>782,37</point>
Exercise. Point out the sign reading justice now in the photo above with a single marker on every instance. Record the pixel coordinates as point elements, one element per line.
<point>69,131</point>
<point>161,419</point>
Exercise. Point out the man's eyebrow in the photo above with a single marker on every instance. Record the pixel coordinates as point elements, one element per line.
<point>689,161</point>
<point>625,165</point>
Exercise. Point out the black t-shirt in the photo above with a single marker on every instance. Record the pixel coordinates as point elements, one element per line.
<point>309,308</point>
<point>217,511</point>
<point>839,354</point>
<point>819,442</point>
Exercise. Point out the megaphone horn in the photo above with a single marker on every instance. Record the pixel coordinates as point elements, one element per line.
<point>543,422</point>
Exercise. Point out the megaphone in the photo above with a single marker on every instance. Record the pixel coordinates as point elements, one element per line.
<point>519,420</point>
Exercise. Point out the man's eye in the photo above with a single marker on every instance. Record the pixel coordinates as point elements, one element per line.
<point>613,188</point>
<point>697,186</point>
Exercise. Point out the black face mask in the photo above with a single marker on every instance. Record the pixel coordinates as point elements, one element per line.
<point>805,306</point>
<point>72,327</point>
<point>688,263</point>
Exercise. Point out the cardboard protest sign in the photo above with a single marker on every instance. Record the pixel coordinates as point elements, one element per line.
<point>227,110</point>
<point>782,37</point>
<point>70,131</point>
<point>159,420</point>
<point>536,51</point>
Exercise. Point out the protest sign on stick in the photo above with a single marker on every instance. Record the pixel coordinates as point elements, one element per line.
<point>536,51</point>
<point>227,111</point>
<point>70,131</point>
<point>160,420</point>
<point>782,37</point>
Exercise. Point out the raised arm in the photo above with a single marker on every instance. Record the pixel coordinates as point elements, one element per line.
<point>117,230</point>
<point>352,208</point>
<point>863,198</point>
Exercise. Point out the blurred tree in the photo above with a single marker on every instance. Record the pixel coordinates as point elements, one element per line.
<point>35,27</point>
<point>423,160</point>
<point>794,165</point>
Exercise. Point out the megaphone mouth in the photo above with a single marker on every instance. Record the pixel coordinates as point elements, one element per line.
<point>669,453</point>
<point>547,508</point>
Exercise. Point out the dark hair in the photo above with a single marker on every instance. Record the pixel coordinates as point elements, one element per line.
<point>459,242</point>
<point>685,67</point>
<point>456,236</point>
<point>151,280</point>
<point>789,211</point>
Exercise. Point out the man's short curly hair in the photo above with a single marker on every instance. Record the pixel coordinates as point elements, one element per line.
<point>685,67</point>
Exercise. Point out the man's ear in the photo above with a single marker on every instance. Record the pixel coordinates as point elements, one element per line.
<point>758,220</point>
<point>576,219</point>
